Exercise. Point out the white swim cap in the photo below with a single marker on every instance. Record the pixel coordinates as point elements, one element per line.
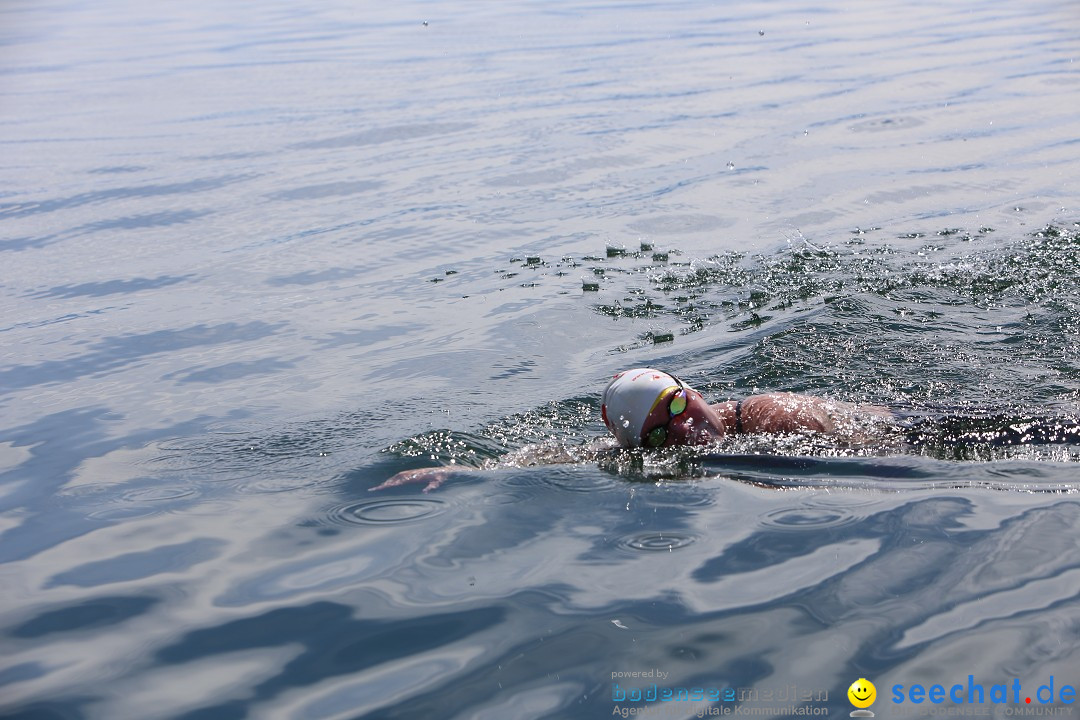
<point>629,399</point>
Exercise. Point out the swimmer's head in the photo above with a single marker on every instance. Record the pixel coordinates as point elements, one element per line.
<point>629,400</point>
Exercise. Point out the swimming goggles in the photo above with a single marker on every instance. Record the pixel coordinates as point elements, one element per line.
<point>659,434</point>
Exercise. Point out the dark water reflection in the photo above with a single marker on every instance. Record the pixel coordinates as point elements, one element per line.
<point>765,588</point>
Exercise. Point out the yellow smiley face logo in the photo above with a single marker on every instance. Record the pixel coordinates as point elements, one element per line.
<point>862,693</point>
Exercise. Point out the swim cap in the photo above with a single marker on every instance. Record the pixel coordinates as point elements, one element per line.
<point>628,400</point>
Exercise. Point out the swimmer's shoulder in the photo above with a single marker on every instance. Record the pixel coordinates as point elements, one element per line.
<point>729,412</point>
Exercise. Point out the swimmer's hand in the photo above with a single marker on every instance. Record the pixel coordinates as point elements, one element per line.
<point>434,477</point>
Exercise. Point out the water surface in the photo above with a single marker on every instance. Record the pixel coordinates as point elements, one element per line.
<point>259,259</point>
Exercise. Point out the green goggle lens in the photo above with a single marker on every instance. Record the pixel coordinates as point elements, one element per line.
<point>678,403</point>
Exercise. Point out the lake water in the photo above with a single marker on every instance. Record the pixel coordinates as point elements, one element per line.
<point>259,257</point>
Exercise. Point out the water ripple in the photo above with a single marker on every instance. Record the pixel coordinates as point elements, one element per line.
<point>390,511</point>
<point>806,518</point>
<point>657,541</point>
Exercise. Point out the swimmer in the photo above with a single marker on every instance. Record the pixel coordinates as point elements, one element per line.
<point>650,408</point>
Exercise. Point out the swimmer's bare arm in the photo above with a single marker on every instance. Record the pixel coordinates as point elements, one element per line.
<point>434,477</point>
<point>785,413</point>
<point>788,412</point>
<point>528,456</point>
